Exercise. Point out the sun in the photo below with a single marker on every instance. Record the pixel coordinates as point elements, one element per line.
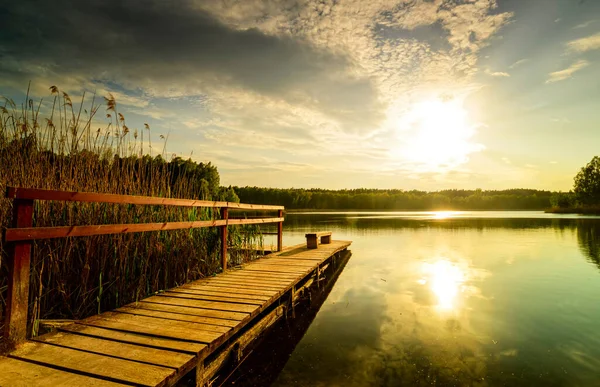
<point>437,135</point>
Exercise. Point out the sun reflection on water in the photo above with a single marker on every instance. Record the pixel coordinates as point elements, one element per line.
<point>445,280</point>
<point>443,214</point>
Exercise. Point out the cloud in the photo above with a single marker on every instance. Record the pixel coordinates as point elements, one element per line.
<point>588,43</point>
<point>496,73</point>
<point>584,25</point>
<point>316,78</point>
<point>191,52</point>
<point>568,72</point>
<point>518,63</point>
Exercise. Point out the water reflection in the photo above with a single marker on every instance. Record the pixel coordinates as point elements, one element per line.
<point>456,301</point>
<point>444,214</point>
<point>445,280</point>
<point>588,235</point>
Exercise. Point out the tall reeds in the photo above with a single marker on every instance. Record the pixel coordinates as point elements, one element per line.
<point>61,145</point>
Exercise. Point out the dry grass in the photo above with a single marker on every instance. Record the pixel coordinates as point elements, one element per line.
<point>58,145</point>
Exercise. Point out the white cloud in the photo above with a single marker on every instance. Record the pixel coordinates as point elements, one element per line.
<point>568,72</point>
<point>518,63</point>
<point>496,73</point>
<point>584,25</point>
<point>588,43</point>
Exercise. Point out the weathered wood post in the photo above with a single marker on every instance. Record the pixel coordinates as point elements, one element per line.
<point>225,216</point>
<point>280,231</point>
<point>19,257</point>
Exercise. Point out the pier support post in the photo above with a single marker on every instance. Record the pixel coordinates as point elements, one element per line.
<point>224,215</point>
<point>280,232</point>
<point>200,374</point>
<point>19,257</point>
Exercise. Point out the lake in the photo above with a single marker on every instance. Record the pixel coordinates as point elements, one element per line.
<point>455,298</point>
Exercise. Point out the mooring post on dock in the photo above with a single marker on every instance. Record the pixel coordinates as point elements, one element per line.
<point>280,231</point>
<point>224,215</point>
<point>19,257</point>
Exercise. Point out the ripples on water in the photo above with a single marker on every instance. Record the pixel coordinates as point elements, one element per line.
<point>455,298</point>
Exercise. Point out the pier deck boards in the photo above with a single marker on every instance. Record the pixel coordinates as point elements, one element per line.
<point>156,341</point>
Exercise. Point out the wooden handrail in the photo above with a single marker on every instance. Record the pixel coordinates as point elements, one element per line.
<point>19,237</point>
<point>33,233</point>
<point>92,197</point>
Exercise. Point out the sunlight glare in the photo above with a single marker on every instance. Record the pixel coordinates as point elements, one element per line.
<point>437,135</point>
<point>443,214</point>
<point>445,281</point>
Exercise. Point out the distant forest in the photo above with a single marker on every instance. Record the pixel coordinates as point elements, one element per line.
<point>393,199</point>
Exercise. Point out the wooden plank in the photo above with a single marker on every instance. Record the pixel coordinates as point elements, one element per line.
<point>133,338</point>
<point>121,350</point>
<point>214,305</point>
<point>154,319</point>
<point>290,264</point>
<point>291,269</point>
<point>298,258</point>
<point>255,278</point>
<point>277,269</point>
<point>204,297</point>
<point>46,194</point>
<point>137,319</point>
<point>249,283</point>
<point>256,262</point>
<point>166,329</point>
<point>295,258</point>
<point>19,373</point>
<point>267,276</point>
<point>19,256</point>
<point>207,323</point>
<point>235,296</point>
<point>278,276</point>
<point>246,285</point>
<point>244,288</point>
<point>230,289</point>
<point>234,316</point>
<point>302,256</point>
<point>92,364</point>
<point>32,233</point>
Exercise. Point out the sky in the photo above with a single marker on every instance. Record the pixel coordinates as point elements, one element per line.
<point>408,94</point>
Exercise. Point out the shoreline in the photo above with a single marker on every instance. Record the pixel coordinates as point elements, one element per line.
<point>574,210</point>
<point>301,210</point>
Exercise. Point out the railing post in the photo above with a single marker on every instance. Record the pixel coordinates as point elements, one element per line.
<point>280,231</point>
<point>224,215</point>
<point>19,257</point>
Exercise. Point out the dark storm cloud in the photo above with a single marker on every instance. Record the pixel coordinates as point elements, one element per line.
<point>168,45</point>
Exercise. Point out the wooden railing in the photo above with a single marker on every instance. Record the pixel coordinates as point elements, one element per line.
<point>18,239</point>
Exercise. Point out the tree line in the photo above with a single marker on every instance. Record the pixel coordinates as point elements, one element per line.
<point>394,199</point>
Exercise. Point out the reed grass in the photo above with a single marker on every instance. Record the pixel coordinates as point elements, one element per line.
<point>56,144</point>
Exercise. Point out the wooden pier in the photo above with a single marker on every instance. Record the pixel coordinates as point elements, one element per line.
<point>192,329</point>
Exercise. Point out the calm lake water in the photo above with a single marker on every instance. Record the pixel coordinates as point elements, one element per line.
<point>466,298</point>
